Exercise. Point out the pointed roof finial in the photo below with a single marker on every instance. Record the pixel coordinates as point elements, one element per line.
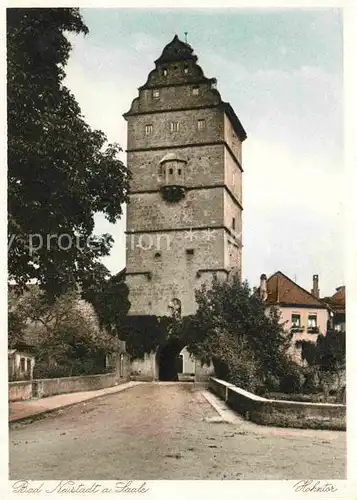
<point>186,36</point>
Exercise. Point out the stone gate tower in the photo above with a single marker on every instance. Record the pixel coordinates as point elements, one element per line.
<point>184,219</point>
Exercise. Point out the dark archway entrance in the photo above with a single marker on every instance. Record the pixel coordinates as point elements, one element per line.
<point>169,361</point>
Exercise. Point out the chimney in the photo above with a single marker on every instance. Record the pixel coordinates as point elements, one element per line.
<point>263,287</point>
<point>315,286</point>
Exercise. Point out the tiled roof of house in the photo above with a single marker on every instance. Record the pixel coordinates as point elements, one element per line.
<point>284,291</point>
<point>338,301</point>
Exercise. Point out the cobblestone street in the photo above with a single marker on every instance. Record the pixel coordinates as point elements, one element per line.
<point>166,431</point>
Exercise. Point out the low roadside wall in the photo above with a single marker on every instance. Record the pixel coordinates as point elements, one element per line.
<point>42,388</point>
<point>20,391</point>
<point>280,413</point>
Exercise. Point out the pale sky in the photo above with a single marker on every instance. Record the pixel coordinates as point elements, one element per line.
<point>282,73</point>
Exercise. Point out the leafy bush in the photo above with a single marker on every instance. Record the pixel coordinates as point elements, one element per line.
<point>66,336</point>
<point>232,328</point>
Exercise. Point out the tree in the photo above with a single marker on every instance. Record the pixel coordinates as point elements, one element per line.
<point>65,335</point>
<point>16,323</point>
<point>326,357</point>
<point>331,353</point>
<point>232,328</point>
<point>109,297</point>
<point>60,171</point>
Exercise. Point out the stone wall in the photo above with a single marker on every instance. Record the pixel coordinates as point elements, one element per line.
<point>20,391</point>
<point>145,369</point>
<point>187,133</point>
<point>200,208</point>
<point>203,167</point>
<point>152,295</point>
<point>233,175</point>
<point>280,413</point>
<point>234,143</point>
<point>41,388</point>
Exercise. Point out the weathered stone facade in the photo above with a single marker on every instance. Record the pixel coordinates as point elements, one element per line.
<point>184,219</point>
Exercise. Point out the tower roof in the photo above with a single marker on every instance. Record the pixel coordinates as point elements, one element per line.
<point>176,50</point>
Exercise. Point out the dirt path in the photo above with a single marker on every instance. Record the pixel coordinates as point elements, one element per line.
<point>166,431</point>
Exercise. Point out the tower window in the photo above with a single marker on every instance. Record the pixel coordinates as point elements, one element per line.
<point>164,72</point>
<point>148,129</point>
<point>156,94</point>
<point>174,126</point>
<point>201,124</point>
<point>185,70</point>
<point>179,171</point>
<point>190,251</point>
<point>157,255</point>
<point>233,223</point>
<point>171,171</point>
<point>195,90</point>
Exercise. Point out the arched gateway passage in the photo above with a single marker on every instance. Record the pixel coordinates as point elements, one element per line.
<point>168,360</point>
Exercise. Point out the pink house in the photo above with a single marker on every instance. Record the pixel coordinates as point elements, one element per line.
<point>302,313</point>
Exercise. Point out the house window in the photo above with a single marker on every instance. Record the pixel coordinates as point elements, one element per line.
<point>312,321</point>
<point>185,70</point>
<point>295,320</point>
<point>201,124</point>
<point>179,171</point>
<point>174,126</point>
<point>233,223</point>
<point>195,90</point>
<point>190,251</point>
<point>156,94</point>
<point>148,129</point>
<point>171,171</point>
<point>164,72</point>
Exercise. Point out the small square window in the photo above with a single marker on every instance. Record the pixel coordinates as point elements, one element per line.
<point>201,124</point>
<point>156,94</point>
<point>148,129</point>
<point>195,90</point>
<point>174,126</point>
<point>190,251</point>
